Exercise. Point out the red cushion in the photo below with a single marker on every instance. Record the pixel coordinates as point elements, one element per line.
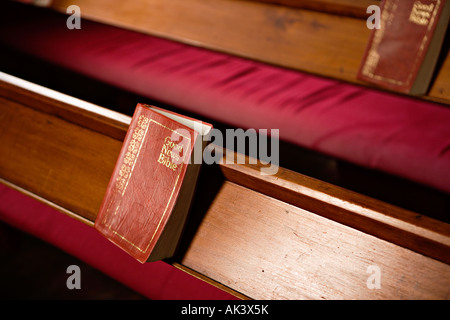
<point>156,280</point>
<point>399,135</point>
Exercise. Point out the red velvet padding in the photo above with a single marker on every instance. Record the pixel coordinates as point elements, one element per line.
<point>156,280</point>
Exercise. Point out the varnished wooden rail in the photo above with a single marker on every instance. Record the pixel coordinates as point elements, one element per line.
<point>322,37</point>
<point>285,236</point>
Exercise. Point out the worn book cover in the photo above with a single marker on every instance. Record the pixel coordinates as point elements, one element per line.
<point>149,194</point>
<point>403,53</point>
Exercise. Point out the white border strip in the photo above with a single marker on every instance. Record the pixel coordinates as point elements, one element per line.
<point>55,95</point>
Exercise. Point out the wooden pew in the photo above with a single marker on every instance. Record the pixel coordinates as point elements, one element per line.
<point>322,37</point>
<point>285,236</point>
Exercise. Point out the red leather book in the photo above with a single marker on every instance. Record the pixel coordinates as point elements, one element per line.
<point>149,194</point>
<point>403,53</point>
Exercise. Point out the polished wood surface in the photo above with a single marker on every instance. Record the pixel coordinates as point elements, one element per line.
<point>285,236</point>
<point>268,249</point>
<point>349,8</point>
<point>44,151</point>
<point>408,229</point>
<point>328,41</point>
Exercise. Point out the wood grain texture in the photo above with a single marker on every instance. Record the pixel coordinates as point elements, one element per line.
<point>388,222</point>
<point>265,238</point>
<point>268,249</point>
<point>49,157</point>
<point>329,45</point>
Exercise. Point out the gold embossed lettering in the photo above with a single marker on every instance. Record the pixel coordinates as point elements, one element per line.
<point>421,13</point>
<point>130,157</point>
<point>170,153</point>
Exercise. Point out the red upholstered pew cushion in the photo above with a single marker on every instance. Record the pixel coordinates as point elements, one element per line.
<point>405,137</point>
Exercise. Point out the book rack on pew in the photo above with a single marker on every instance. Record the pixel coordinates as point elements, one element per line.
<point>322,37</point>
<point>285,236</point>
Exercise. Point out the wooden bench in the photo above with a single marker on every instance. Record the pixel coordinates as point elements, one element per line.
<point>285,236</point>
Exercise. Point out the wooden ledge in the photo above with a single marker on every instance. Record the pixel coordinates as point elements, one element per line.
<point>285,236</point>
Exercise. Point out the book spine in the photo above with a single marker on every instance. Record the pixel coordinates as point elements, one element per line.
<point>120,178</point>
<point>397,50</point>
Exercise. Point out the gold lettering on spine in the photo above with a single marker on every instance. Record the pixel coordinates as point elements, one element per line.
<point>132,153</point>
<point>421,13</point>
<point>387,16</point>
